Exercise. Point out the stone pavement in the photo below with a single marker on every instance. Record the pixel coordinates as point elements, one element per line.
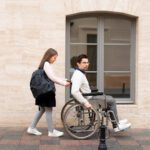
<point>18,139</point>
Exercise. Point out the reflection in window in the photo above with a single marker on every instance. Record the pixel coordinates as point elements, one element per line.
<point>117,41</point>
<point>83,40</point>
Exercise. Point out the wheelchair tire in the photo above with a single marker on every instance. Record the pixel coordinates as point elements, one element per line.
<point>81,123</point>
<point>65,107</point>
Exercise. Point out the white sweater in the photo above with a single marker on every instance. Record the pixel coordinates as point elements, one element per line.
<point>48,68</point>
<point>80,85</point>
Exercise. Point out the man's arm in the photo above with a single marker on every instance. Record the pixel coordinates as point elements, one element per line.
<point>75,88</point>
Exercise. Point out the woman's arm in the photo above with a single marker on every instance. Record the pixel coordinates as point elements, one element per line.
<point>51,75</point>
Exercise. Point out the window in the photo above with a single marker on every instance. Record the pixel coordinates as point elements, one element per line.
<point>109,42</point>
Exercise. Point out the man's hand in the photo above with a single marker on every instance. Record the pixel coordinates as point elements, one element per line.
<point>88,105</point>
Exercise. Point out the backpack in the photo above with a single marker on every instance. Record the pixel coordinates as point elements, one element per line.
<point>40,83</point>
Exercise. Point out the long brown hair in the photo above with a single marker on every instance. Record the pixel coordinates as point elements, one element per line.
<point>47,56</point>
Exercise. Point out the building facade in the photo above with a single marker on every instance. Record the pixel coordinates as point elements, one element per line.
<point>113,33</point>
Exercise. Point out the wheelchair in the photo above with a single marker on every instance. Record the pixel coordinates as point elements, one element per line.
<point>82,123</point>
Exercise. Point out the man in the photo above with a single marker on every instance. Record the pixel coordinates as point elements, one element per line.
<point>80,85</point>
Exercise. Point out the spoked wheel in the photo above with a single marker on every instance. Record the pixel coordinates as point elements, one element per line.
<point>69,104</point>
<point>81,123</point>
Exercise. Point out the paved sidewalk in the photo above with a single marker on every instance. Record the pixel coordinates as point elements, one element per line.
<point>18,139</point>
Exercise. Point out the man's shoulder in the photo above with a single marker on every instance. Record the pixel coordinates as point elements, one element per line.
<point>77,74</point>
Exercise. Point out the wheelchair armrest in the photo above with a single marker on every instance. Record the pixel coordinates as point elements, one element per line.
<point>94,90</point>
<point>92,94</point>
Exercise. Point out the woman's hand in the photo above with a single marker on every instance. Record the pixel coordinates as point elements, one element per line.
<point>67,83</point>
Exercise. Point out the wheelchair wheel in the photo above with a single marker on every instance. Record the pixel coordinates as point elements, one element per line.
<point>65,107</point>
<point>81,123</point>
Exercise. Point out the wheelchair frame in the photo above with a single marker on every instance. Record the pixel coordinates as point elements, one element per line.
<point>82,123</point>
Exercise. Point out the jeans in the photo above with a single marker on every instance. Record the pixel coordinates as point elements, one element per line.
<point>109,103</point>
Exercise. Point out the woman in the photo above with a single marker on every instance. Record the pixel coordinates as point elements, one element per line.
<point>47,101</point>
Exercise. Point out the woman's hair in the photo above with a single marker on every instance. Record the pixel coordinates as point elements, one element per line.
<point>47,56</point>
<point>80,57</point>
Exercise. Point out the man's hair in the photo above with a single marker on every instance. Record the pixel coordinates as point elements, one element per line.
<point>80,57</point>
<point>73,62</point>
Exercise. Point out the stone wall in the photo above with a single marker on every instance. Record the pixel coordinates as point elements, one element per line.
<point>28,28</point>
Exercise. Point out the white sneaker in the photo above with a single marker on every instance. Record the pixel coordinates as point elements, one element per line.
<point>33,131</point>
<point>123,121</point>
<point>122,127</point>
<point>55,133</point>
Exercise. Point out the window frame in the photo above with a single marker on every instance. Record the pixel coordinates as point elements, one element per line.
<point>100,52</point>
